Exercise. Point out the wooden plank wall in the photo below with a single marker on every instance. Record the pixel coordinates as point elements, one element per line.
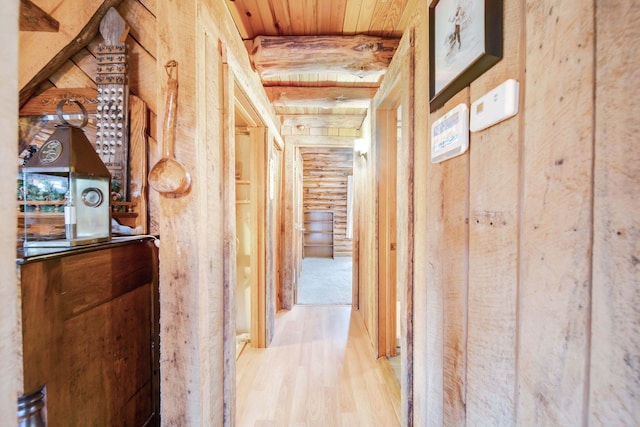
<point>325,172</point>
<point>493,250</point>
<point>366,272</point>
<point>615,338</point>
<point>10,336</point>
<point>290,233</point>
<point>555,249</point>
<point>526,247</point>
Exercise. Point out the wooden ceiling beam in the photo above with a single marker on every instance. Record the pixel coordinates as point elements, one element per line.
<point>32,18</point>
<point>339,121</point>
<point>359,55</point>
<point>321,97</point>
<point>320,141</point>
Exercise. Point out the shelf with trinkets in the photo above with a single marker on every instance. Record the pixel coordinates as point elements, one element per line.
<point>37,123</point>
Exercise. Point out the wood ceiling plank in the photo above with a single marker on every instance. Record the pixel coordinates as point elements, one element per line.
<point>328,97</point>
<point>282,20</point>
<point>323,18</point>
<point>337,16</point>
<point>252,11</point>
<point>410,12</point>
<point>351,15</point>
<point>48,51</point>
<point>323,120</point>
<point>386,16</point>
<point>240,19</point>
<point>361,111</point>
<point>311,20</point>
<point>269,26</point>
<point>297,14</point>
<point>365,16</point>
<point>358,55</point>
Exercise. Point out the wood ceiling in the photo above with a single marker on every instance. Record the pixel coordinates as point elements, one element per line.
<point>317,94</point>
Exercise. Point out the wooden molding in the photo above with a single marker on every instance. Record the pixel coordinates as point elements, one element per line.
<point>47,101</point>
<point>32,18</point>
<point>359,55</point>
<point>322,97</point>
<point>321,141</point>
<point>340,121</point>
<point>138,166</point>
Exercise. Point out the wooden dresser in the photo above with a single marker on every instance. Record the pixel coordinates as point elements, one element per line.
<point>90,332</point>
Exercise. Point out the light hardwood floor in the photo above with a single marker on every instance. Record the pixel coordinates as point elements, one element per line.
<point>319,371</point>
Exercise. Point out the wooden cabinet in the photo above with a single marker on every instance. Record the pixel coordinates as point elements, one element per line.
<point>90,333</point>
<point>318,234</point>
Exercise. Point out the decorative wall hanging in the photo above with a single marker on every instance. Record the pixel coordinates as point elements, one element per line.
<point>465,40</point>
<point>169,176</point>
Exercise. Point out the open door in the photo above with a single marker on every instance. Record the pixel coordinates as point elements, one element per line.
<point>257,175</point>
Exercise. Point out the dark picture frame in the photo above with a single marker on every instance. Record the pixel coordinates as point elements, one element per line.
<point>462,45</point>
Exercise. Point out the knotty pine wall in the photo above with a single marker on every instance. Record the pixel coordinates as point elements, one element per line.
<point>325,174</point>
<point>525,267</point>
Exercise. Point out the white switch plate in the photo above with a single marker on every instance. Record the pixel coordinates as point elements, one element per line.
<point>495,106</point>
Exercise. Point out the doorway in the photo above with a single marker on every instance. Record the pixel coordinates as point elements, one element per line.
<point>257,167</point>
<point>326,267</point>
<point>393,113</point>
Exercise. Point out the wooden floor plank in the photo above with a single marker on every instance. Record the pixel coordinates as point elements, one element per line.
<point>319,370</point>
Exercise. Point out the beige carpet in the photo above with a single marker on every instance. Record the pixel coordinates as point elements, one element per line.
<point>325,281</point>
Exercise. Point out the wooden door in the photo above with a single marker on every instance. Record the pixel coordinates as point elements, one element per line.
<point>254,255</point>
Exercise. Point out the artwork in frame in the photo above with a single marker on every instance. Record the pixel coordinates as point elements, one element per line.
<point>465,40</point>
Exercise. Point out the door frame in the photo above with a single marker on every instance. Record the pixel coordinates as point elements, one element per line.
<point>398,90</point>
<point>238,103</point>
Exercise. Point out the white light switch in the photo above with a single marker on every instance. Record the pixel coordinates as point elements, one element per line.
<point>495,106</point>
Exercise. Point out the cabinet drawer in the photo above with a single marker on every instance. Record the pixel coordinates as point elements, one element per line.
<point>90,279</point>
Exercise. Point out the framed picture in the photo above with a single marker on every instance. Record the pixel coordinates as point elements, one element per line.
<point>465,40</point>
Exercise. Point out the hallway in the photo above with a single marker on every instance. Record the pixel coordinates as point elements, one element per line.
<point>319,371</point>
